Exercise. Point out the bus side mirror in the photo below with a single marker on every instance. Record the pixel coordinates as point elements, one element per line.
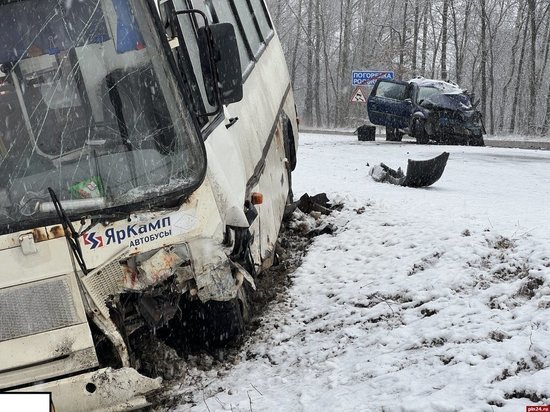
<point>221,64</point>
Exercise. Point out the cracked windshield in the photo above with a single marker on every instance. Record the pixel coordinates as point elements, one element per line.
<point>89,109</point>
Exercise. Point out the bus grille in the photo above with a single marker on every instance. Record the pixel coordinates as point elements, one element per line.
<point>36,308</point>
<point>103,283</point>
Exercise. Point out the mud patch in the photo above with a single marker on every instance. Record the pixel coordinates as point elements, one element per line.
<point>297,233</point>
<point>426,312</point>
<point>501,243</point>
<point>305,220</point>
<point>529,288</point>
<point>425,262</point>
<point>531,395</point>
<point>498,336</point>
<point>523,365</point>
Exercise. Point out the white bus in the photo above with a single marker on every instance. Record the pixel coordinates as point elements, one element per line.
<point>146,149</point>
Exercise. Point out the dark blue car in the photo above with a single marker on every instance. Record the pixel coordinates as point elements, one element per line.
<point>426,110</point>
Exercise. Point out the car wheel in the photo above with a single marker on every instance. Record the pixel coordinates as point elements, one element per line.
<point>420,132</point>
<point>476,140</point>
<point>398,135</point>
<point>393,134</point>
<point>389,134</point>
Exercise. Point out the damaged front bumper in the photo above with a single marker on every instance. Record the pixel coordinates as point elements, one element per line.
<point>457,124</point>
<point>103,390</point>
<point>420,173</point>
<point>459,132</point>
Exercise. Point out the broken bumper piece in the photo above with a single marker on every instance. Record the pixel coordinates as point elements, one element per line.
<point>420,173</point>
<point>103,390</point>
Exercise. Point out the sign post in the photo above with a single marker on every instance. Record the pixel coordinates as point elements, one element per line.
<point>369,77</point>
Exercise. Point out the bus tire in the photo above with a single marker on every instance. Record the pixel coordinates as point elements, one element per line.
<point>209,325</point>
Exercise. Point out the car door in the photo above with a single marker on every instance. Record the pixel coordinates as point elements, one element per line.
<point>389,104</point>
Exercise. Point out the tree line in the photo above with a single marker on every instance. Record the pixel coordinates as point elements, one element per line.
<point>497,49</point>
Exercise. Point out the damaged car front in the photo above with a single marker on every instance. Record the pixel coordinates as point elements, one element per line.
<point>426,110</point>
<point>444,113</point>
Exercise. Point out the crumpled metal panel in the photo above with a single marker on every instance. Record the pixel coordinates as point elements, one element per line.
<point>217,283</point>
<point>147,270</point>
<point>159,267</point>
<point>213,274</point>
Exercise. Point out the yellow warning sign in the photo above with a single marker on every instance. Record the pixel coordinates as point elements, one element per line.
<point>358,95</point>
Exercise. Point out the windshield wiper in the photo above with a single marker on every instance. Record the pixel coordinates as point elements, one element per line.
<point>70,233</point>
<point>104,218</point>
<point>116,101</point>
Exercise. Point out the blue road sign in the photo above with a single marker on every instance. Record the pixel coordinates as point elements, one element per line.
<point>368,78</point>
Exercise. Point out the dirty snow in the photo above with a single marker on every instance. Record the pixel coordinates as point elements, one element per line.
<point>433,299</point>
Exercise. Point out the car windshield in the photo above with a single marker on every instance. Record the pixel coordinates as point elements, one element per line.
<point>425,92</point>
<point>90,108</point>
<point>435,95</point>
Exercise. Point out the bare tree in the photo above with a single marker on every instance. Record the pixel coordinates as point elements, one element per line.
<point>444,32</point>
<point>403,41</point>
<point>427,7</point>
<point>308,104</point>
<point>317,64</point>
<point>546,124</point>
<point>415,35</point>
<point>484,53</point>
<point>461,36</point>
<point>344,70</point>
<point>515,102</point>
<point>294,55</point>
<point>520,20</point>
<point>532,66</point>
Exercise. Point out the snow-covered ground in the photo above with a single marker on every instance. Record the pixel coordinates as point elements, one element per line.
<point>434,299</point>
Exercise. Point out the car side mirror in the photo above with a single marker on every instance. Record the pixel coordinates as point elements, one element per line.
<point>221,64</point>
<point>408,100</point>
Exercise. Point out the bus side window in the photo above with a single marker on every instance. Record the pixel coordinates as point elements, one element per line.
<point>262,17</point>
<point>224,14</point>
<point>250,26</point>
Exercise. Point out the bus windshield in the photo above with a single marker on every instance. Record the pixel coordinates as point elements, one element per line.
<point>90,108</point>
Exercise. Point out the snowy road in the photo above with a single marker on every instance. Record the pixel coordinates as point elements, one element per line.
<point>431,299</point>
